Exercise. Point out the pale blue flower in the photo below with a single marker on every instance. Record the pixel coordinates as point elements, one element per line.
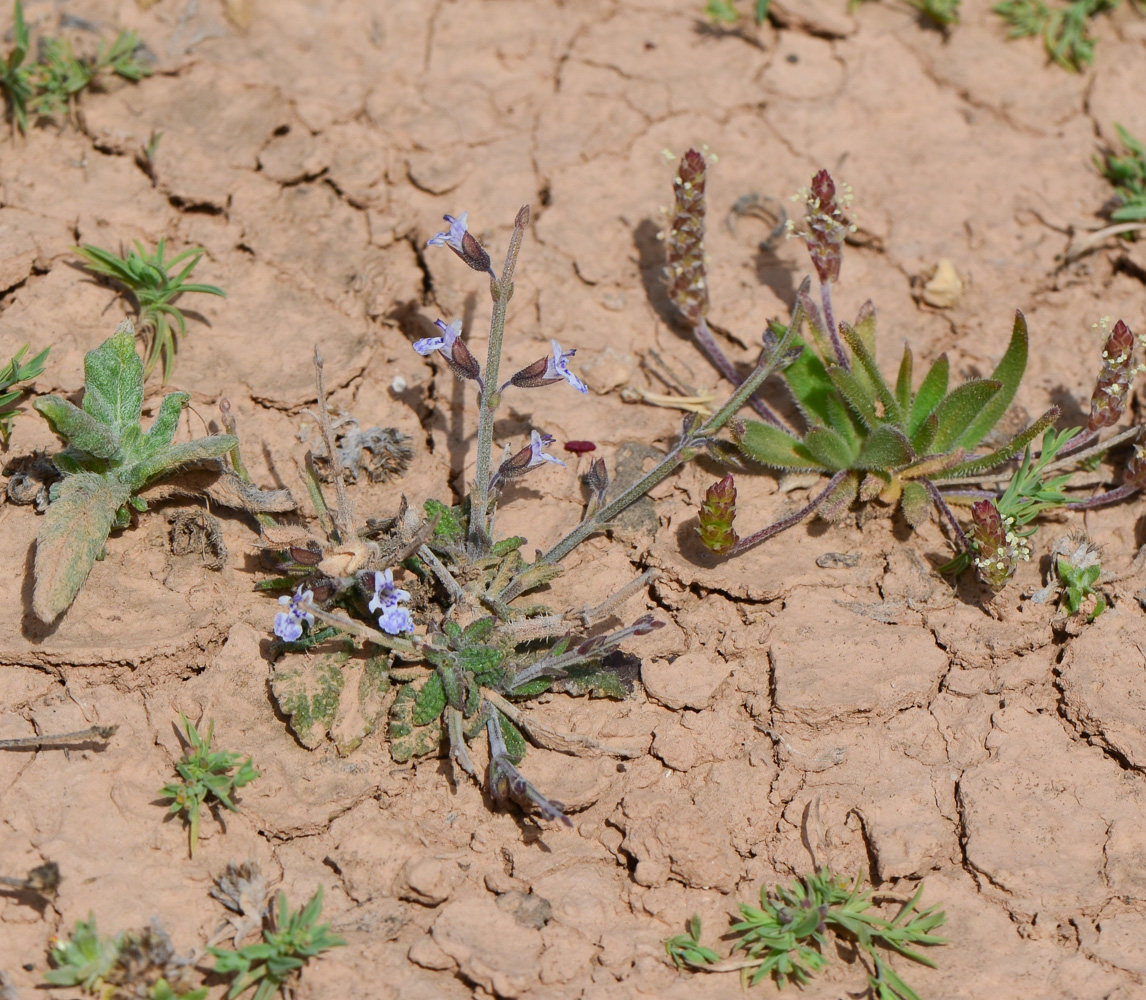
<point>394,619</point>
<point>453,238</point>
<point>288,624</point>
<point>444,343</point>
<point>557,368</point>
<point>536,455</point>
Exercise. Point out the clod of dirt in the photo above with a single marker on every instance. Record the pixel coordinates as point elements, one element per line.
<point>423,880</point>
<point>689,681</point>
<point>492,949</point>
<point>816,17</point>
<point>195,532</point>
<point>941,287</point>
<point>526,908</point>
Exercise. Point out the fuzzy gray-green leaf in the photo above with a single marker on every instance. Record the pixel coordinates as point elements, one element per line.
<point>931,392</point>
<point>773,447</point>
<point>856,393</point>
<point>71,538</point>
<point>916,503</point>
<point>829,448</point>
<point>1009,371</point>
<point>113,380</point>
<point>959,410</point>
<point>985,463</point>
<point>176,455</point>
<point>886,449</point>
<point>865,362</point>
<point>81,430</point>
<point>160,433</point>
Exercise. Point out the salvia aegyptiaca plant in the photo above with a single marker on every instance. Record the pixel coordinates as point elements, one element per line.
<point>914,444</point>
<point>432,602</point>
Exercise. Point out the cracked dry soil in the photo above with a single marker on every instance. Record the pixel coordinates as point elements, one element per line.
<point>852,711</point>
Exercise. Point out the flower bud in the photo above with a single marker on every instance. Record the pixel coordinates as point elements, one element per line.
<point>716,516</point>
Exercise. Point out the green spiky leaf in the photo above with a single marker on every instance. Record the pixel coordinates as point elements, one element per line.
<point>1009,373</point>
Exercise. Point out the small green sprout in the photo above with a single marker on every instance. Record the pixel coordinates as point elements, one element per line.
<point>129,965</point>
<point>941,12</point>
<point>205,775</point>
<point>281,954</point>
<point>108,461</point>
<point>15,77</point>
<point>725,12</point>
<point>1078,584</point>
<point>786,937</point>
<point>1065,29</point>
<point>1128,175</point>
<point>147,278</point>
<point>17,370</point>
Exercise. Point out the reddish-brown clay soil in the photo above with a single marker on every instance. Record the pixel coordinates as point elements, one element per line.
<point>796,710</point>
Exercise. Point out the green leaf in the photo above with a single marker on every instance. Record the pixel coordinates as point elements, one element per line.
<point>514,741</point>
<point>829,448</point>
<point>451,526</point>
<point>113,380</point>
<point>985,463</point>
<point>408,740</point>
<point>916,503</point>
<point>865,362</point>
<point>809,383</point>
<point>923,437</point>
<point>886,449</point>
<point>857,395</point>
<point>71,538</point>
<point>931,392</point>
<point>176,455</point>
<point>773,447</point>
<point>903,381</point>
<point>431,700</point>
<point>160,434</point>
<point>962,405</point>
<point>1009,372</point>
<point>81,430</point>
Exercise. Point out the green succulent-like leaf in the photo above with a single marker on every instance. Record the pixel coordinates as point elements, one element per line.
<point>80,429</point>
<point>1009,373</point>
<point>985,463</point>
<point>886,449</point>
<point>916,503</point>
<point>773,447</point>
<point>865,361</point>
<point>72,537</point>
<point>930,394</point>
<point>431,700</point>
<point>957,412</point>
<point>829,448</point>
<point>113,380</point>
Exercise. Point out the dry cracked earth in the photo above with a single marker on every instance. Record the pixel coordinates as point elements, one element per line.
<point>825,699</point>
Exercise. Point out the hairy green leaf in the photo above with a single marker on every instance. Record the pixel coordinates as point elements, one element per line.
<point>985,463</point>
<point>773,447</point>
<point>431,700</point>
<point>916,503</point>
<point>962,405</point>
<point>886,449</point>
<point>829,448</point>
<point>811,388</point>
<point>113,380</point>
<point>903,381</point>
<point>81,430</point>
<point>930,394</point>
<point>71,538</point>
<point>865,362</point>
<point>857,395</point>
<point>161,433</point>
<point>1009,372</point>
<point>176,455</point>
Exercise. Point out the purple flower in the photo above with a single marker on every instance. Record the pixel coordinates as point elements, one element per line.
<point>463,243</point>
<point>528,458</point>
<point>536,455</point>
<point>387,597</point>
<point>452,348</point>
<point>546,371</point>
<point>288,624</point>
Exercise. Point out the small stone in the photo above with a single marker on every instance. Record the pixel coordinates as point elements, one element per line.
<point>943,288</point>
<point>426,953</point>
<point>423,881</point>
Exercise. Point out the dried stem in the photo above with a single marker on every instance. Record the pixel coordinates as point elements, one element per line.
<point>344,517</point>
<point>62,739</point>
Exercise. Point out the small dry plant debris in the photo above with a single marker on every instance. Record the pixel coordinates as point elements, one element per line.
<point>288,944</point>
<point>443,593</point>
<point>196,532</point>
<point>110,461</point>
<point>207,777</point>
<point>43,881</point>
<point>383,453</point>
<point>101,733</point>
<point>146,277</point>
<point>917,448</point>
<point>140,965</point>
<point>12,374</point>
<point>786,937</point>
<point>51,86</point>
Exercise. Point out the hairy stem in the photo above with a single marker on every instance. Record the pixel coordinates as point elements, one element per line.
<point>946,511</point>
<point>791,520</point>
<point>502,292</point>
<point>830,323</point>
<point>728,370</point>
<point>1103,499</point>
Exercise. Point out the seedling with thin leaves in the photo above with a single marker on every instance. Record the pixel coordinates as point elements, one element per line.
<point>128,966</point>
<point>1128,175</point>
<point>1065,28</point>
<point>943,13</point>
<point>12,374</point>
<point>15,77</point>
<point>148,279</point>
<point>725,12</point>
<point>287,946</point>
<point>786,937</point>
<point>1078,585</point>
<point>108,461</point>
<point>207,777</point>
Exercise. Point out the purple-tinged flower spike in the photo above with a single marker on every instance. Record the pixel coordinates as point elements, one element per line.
<point>684,242</point>
<point>999,550</point>
<point>452,348</point>
<point>546,371</point>
<point>1113,387</point>
<point>387,598</point>
<point>827,227</point>
<point>464,244</point>
<point>288,624</point>
<point>716,516</point>
<point>528,458</point>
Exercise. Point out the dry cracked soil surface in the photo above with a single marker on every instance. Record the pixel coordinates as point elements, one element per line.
<point>800,708</point>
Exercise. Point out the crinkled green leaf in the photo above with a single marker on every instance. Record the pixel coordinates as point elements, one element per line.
<point>81,430</point>
<point>71,537</point>
<point>113,380</point>
<point>1009,372</point>
<point>308,691</point>
<point>514,741</point>
<point>451,525</point>
<point>431,701</point>
<point>407,739</point>
<point>507,545</point>
<point>773,447</point>
<point>483,661</point>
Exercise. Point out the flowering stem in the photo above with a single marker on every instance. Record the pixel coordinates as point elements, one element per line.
<point>502,292</point>
<point>946,511</point>
<point>725,367</point>
<point>791,520</point>
<point>685,449</point>
<point>830,323</point>
<point>1103,499</point>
